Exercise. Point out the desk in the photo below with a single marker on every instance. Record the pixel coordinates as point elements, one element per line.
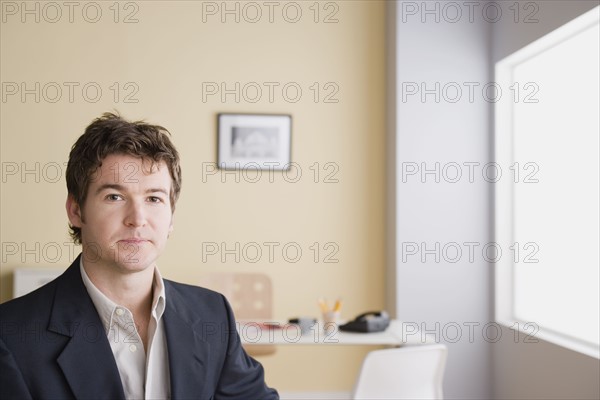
<point>397,334</point>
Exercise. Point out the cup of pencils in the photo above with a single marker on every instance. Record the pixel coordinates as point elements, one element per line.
<point>331,316</point>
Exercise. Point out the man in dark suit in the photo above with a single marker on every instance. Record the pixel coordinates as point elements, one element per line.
<point>111,327</point>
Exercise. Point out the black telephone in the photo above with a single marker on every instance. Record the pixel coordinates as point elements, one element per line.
<point>373,321</point>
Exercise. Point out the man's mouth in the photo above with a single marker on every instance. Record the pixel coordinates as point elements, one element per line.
<point>133,241</point>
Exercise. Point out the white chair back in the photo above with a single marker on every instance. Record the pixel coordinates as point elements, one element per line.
<point>409,372</point>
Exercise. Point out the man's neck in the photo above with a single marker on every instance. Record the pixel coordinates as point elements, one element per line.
<point>130,290</point>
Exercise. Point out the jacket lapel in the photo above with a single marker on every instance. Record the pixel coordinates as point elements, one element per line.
<point>87,360</point>
<point>189,355</point>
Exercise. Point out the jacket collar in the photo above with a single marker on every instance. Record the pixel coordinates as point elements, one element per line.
<point>87,360</point>
<point>189,354</point>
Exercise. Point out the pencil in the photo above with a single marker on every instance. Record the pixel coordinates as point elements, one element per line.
<point>338,305</point>
<point>323,306</point>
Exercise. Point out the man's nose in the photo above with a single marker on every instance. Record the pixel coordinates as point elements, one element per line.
<point>136,215</point>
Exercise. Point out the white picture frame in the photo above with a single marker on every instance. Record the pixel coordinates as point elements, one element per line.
<point>254,141</point>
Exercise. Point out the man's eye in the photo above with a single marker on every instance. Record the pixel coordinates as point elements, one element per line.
<point>114,197</point>
<point>154,199</point>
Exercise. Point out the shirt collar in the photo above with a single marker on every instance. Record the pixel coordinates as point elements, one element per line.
<point>106,306</point>
<point>158,290</point>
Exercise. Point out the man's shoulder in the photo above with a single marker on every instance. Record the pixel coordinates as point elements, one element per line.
<point>38,304</point>
<point>185,290</point>
<point>36,299</point>
<point>196,304</point>
<point>41,299</point>
<point>31,308</point>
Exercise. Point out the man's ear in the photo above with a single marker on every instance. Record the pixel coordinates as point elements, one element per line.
<point>74,212</point>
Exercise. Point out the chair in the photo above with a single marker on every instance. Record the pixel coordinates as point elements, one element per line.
<point>250,296</point>
<point>410,372</point>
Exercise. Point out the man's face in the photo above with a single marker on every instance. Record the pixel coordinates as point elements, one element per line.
<point>127,217</point>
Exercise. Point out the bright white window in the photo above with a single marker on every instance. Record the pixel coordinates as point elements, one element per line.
<point>547,208</point>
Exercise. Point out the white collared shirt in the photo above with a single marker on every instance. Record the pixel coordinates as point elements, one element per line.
<point>143,376</point>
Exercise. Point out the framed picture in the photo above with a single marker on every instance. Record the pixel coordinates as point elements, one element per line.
<point>254,141</point>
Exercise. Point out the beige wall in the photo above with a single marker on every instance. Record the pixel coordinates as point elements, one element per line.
<point>166,56</point>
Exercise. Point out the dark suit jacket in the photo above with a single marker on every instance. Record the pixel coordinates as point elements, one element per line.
<point>53,346</point>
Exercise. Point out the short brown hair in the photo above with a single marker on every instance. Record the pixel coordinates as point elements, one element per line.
<point>111,134</point>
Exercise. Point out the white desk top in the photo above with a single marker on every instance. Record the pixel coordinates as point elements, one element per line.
<point>397,334</point>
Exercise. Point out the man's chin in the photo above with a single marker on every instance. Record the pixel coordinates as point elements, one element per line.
<point>127,257</point>
<point>135,264</point>
<point>131,252</point>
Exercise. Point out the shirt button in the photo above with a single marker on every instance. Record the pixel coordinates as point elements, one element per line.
<point>132,348</point>
<point>120,312</point>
